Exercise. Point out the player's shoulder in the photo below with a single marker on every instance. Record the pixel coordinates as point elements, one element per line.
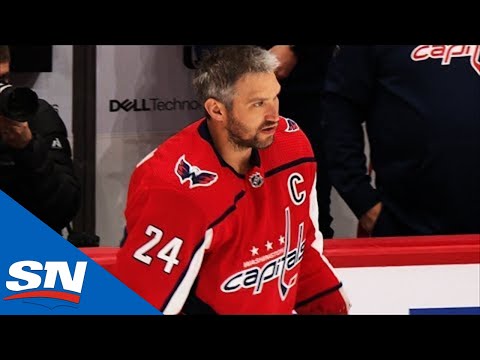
<point>183,163</point>
<point>290,141</point>
<point>288,130</point>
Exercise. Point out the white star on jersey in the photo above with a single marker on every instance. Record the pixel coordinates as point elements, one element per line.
<point>254,251</point>
<point>268,245</point>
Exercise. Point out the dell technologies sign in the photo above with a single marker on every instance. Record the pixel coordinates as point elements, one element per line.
<point>153,104</point>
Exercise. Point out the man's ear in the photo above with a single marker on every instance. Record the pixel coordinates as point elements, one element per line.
<point>215,109</point>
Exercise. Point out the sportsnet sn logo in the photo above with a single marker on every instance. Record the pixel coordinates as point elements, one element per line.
<point>37,282</point>
<point>41,273</point>
<point>447,53</point>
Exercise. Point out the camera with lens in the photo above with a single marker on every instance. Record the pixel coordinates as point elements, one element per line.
<point>17,103</point>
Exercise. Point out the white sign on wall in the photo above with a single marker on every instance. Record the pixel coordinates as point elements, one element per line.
<point>402,290</point>
<point>144,95</point>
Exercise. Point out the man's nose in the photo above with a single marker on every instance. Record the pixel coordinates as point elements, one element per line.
<point>273,113</point>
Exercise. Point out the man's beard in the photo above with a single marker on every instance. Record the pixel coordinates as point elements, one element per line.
<point>235,130</point>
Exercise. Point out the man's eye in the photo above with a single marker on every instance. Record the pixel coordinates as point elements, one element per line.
<point>258,104</point>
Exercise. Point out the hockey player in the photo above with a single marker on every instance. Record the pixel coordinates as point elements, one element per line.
<point>222,217</point>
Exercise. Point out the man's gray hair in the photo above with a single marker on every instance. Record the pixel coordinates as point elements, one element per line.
<point>221,68</point>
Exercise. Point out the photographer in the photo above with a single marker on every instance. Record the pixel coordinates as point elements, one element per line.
<point>36,168</point>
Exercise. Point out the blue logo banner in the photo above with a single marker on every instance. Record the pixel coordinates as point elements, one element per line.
<point>41,273</point>
<point>446,311</point>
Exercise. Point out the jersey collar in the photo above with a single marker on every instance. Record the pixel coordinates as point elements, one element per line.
<point>205,134</point>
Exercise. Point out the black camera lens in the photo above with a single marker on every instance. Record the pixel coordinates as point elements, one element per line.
<point>19,104</point>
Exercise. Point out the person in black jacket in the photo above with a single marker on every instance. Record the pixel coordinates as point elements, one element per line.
<point>36,167</point>
<point>421,108</point>
<point>301,74</point>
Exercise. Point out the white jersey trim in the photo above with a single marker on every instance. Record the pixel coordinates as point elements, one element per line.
<point>175,305</point>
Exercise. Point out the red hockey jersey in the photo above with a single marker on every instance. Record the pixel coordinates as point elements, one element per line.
<point>204,239</point>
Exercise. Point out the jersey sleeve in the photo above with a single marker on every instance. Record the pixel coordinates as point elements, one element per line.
<point>164,248</point>
<point>319,289</point>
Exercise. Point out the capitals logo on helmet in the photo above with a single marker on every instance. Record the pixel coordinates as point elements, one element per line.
<point>196,176</point>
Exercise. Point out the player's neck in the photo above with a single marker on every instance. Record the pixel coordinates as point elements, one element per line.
<point>238,158</point>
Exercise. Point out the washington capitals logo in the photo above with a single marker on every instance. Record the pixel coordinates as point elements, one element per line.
<point>291,125</point>
<point>280,265</point>
<point>197,177</point>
